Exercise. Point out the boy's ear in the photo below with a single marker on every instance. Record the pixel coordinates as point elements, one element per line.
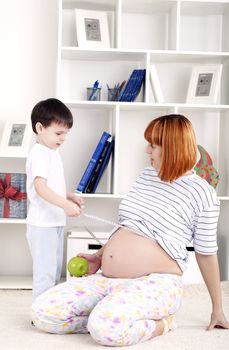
<point>38,127</point>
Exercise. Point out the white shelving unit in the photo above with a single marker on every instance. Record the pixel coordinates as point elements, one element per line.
<point>174,35</point>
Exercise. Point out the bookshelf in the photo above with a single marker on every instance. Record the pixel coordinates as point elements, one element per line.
<point>143,33</point>
<point>174,35</point>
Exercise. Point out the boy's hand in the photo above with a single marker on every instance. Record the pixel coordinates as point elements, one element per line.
<point>74,198</point>
<point>71,209</point>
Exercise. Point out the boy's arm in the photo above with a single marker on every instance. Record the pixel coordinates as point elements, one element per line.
<point>70,208</point>
<point>75,198</point>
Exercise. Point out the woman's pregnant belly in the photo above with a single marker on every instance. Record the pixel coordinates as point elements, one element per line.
<point>129,255</point>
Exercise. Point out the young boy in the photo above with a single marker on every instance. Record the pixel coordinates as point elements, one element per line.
<point>48,202</point>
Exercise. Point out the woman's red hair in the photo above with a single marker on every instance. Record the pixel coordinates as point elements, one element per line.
<point>175,134</point>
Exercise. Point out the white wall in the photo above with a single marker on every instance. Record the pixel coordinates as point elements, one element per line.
<point>28,63</point>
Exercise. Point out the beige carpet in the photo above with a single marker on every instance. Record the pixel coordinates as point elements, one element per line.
<point>16,333</point>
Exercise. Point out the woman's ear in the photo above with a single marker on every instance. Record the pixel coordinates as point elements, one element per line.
<point>39,127</point>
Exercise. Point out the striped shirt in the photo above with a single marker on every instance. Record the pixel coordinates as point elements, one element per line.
<point>173,214</point>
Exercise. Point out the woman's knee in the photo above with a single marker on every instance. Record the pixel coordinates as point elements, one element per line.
<point>108,328</point>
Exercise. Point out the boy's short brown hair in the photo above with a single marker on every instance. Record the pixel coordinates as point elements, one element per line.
<point>51,111</point>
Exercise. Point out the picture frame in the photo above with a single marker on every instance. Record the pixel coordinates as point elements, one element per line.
<point>16,138</point>
<point>204,85</point>
<point>155,84</point>
<point>92,29</point>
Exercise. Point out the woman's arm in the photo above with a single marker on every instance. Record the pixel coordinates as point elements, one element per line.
<point>209,268</point>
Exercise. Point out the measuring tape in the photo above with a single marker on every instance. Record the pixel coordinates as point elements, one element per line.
<point>97,218</point>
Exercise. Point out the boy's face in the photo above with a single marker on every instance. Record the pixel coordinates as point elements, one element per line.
<point>52,136</point>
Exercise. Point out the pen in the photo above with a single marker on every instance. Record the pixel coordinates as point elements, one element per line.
<point>122,85</point>
<point>94,88</point>
<point>120,89</point>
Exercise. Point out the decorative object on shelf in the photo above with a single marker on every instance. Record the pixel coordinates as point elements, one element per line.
<point>16,138</point>
<point>155,84</point>
<point>113,93</point>
<point>94,92</point>
<point>13,197</point>
<point>92,29</point>
<point>100,166</point>
<point>133,86</point>
<point>205,168</point>
<point>92,162</point>
<point>204,84</point>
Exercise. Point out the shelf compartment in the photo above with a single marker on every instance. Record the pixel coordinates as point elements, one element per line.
<point>68,23</point>
<point>223,187</point>
<point>132,158</point>
<point>14,165</point>
<point>149,24</point>
<point>211,128</point>
<point>77,75</point>
<point>204,26</point>
<point>175,69</point>
<point>87,129</point>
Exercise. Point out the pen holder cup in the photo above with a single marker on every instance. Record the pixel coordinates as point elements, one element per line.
<point>93,94</point>
<point>112,94</point>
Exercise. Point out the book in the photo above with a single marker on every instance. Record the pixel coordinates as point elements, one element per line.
<point>94,174</point>
<point>125,93</point>
<point>133,86</point>
<point>155,84</point>
<point>92,162</point>
<point>101,166</point>
<point>140,79</point>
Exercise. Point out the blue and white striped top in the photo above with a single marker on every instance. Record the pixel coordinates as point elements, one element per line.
<point>173,214</point>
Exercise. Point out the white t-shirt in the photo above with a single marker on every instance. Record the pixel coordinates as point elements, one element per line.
<point>173,214</point>
<point>46,163</point>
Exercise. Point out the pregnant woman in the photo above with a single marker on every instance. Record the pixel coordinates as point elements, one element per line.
<point>139,290</point>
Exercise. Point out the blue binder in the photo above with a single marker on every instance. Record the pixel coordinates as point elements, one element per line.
<point>104,165</point>
<point>92,163</point>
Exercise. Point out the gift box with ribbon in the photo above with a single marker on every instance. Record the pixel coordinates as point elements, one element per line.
<point>13,198</point>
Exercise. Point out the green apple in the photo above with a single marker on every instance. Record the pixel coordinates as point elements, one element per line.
<point>77,266</point>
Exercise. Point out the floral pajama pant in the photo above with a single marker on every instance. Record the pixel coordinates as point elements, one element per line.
<point>115,311</point>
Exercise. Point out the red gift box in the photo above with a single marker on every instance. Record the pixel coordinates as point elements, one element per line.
<point>13,203</point>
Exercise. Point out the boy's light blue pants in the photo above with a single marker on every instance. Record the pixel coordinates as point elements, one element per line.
<point>46,247</point>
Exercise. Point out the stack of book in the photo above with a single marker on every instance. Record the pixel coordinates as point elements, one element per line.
<point>133,86</point>
<point>97,164</point>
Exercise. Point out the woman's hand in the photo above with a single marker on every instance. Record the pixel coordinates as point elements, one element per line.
<point>94,262</point>
<point>218,320</point>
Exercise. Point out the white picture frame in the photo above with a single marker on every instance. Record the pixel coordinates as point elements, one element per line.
<point>204,84</point>
<point>16,138</point>
<point>92,29</point>
<point>155,84</point>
